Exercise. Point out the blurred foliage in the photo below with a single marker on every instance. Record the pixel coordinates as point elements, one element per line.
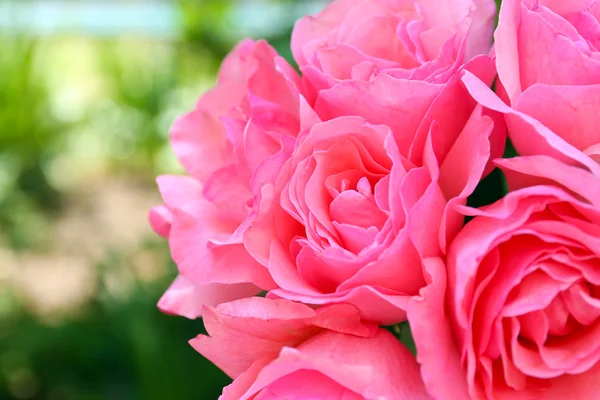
<point>112,350</point>
<point>205,25</point>
<point>29,139</point>
<point>138,96</point>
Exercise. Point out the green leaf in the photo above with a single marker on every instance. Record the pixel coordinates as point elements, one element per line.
<point>509,150</point>
<point>491,189</point>
<point>403,333</point>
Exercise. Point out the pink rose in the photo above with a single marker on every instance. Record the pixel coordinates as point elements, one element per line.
<point>249,119</point>
<point>359,194</point>
<point>276,349</point>
<point>548,58</point>
<point>413,39</point>
<point>520,318</point>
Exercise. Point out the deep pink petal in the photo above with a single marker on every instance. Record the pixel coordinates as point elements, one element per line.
<point>160,218</point>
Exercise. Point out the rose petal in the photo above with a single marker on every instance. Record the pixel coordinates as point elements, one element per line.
<point>569,111</point>
<point>187,299</point>
<point>261,327</point>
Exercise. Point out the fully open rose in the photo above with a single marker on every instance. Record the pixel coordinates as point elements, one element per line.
<point>548,58</point>
<point>353,216</point>
<point>520,319</point>
<point>277,349</point>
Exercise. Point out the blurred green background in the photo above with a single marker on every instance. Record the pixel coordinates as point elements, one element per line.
<point>88,90</point>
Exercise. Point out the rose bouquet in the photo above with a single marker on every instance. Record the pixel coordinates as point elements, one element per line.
<point>325,208</point>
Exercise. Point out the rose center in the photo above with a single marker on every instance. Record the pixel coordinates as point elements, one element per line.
<point>354,210</point>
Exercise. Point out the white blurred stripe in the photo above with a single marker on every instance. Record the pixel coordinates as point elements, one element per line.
<point>262,18</point>
<point>256,18</point>
<point>45,17</point>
